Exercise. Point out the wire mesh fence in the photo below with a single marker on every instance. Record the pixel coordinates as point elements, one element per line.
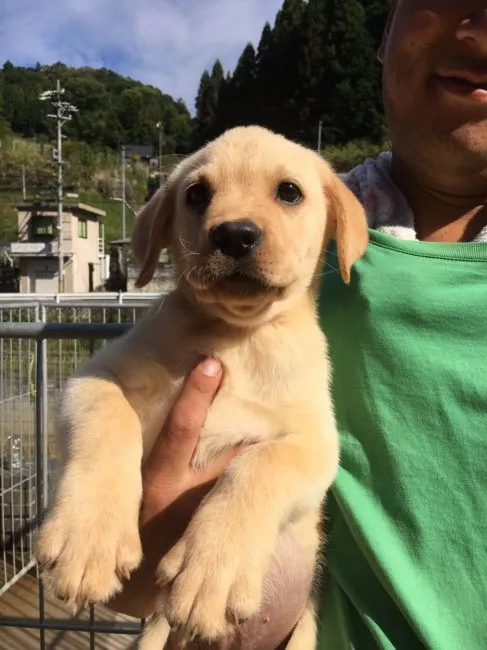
<point>41,344</point>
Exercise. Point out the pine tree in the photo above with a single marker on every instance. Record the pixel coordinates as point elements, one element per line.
<point>285,67</point>
<point>264,48</point>
<point>314,68</point>
<point>205,108</point>
<point>376,12</point>
<point>217,75</point>
<point>289,17</point>
<point>3,122</point>
<point>245,73</point>
<point>206,123</point>
<point>241,95</point>
<point>351,91</point>
<point>265,78</point>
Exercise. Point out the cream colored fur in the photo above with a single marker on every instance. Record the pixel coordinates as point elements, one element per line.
<point>274,395</point>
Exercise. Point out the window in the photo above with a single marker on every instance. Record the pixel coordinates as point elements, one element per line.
<point>82,228</point>
<point>42,227</point>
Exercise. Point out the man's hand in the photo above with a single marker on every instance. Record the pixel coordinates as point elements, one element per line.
<point>169,480</point>
<point>172,488</point>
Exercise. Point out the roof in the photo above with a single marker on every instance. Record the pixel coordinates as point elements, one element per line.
<point>144,150</point>
<point>48,206</point>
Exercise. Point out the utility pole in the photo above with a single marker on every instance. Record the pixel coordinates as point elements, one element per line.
<point>24,190</point>
<point>124,231</point>
<point>63,114</point>
<point>159,128</point>
<point>320,129</point>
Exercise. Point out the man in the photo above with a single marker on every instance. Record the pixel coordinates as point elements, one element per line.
<point>407,517</point>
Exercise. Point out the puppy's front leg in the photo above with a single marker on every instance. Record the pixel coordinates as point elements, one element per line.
<point>90,539</point>
<point>217,569</point>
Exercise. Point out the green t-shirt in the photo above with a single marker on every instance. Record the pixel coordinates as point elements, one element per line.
<point>407,517</point>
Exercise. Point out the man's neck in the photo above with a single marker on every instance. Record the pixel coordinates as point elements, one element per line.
<point>441,215</point>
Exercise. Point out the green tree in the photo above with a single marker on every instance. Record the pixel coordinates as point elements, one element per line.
<point>265,80</point>
<point>245,74</point>
<point>284,96</point>
<point>238,94</point>
<point>351,92</point>
<point>375,18</point>
<point>314,69</point>
<point>4,127</point>
<point>207,103</point>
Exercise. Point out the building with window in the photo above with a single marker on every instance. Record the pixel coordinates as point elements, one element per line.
<point>36,251</point>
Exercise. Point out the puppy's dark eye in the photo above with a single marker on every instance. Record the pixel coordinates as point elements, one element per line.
<point>198,196</point>
<point>289,193</point>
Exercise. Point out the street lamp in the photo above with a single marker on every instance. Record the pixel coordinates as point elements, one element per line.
<point>63,113</point>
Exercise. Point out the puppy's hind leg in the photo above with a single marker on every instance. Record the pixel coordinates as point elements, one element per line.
<point>305,632</point>
<point>155,634</point>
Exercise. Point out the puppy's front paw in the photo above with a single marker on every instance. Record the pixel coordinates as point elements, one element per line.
<point>88,545</point>
<point>217,574</point>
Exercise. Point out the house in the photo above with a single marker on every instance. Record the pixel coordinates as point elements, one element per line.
<point>143,152</point>
<point>36,251</point>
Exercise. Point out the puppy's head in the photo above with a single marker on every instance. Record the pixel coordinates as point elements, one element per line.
<point>247,218</point>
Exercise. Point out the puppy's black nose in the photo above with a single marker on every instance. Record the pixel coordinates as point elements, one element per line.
<point>236,238</point>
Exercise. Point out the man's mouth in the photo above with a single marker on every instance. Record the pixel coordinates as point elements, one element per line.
<point>465,85</point>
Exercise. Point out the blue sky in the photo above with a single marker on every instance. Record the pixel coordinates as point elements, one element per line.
<point>166,43</point>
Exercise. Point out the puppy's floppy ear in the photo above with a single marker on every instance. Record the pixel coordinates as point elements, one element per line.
<point>347,223</point>
<point>152,229</point>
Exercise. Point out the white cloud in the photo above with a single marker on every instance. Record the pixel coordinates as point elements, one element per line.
<point>166,43</point>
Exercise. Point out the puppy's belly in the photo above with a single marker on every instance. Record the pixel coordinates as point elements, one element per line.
<point>287,587</point>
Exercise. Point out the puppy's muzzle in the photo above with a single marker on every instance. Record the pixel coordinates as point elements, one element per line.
<point>236,239</point>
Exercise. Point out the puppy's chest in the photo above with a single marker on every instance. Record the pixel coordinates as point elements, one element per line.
<point>257,392</point>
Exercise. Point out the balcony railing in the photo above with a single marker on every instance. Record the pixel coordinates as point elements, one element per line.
<point>31,248</point>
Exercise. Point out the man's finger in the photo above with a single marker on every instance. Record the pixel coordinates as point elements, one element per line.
<point>178,439</point>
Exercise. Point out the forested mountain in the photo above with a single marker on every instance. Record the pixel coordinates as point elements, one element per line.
<point>113,110</point>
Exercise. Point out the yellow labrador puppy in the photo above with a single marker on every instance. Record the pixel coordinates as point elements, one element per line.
<point>247,218</point>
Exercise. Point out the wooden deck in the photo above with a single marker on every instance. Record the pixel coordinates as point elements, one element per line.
<point>21,600</point>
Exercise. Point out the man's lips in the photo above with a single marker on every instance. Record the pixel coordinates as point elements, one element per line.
<point>464,84</point>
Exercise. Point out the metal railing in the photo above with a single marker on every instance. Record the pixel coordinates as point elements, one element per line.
<point>41,345</point>
<point>112,297</point>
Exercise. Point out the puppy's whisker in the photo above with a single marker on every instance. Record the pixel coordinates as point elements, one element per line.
<point>159,307</point>
<point>330,266</point>
<point>191,271</point>
<point>179,280</point>
<point>321,275</point>
<point>186,247</point>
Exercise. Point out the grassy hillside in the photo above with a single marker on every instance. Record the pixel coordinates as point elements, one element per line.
<point>95,175</point>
